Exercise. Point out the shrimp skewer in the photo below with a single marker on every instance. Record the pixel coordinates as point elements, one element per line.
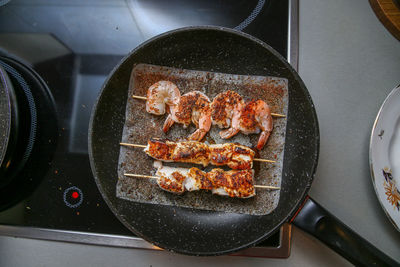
<point>224,107</point>
<point>254,117</point>
<point>226,110</point>
<point>174,94</point>
<point>160,95</point>
<point>192,107</point>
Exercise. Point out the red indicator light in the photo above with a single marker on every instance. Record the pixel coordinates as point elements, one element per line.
<point>75,194</point>
<point>72,193</point>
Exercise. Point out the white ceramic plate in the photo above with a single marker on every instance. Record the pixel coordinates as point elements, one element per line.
<point>384,156</point>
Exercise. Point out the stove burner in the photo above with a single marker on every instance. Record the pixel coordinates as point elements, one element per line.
<point>3,2</point>
<point>251,17</point>
<point>32,114</point>
<point>74,199</point>
<point>37,133</point>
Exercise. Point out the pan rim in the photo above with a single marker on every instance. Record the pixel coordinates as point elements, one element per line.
<point>306,188</point>
<point>7,115</point>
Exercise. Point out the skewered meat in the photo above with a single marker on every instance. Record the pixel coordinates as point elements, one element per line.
<point>168,151</point>
<point>227,110</point>
<point>172,179</point>
<point>232,183</point>
<point>192,107</point>
<point>224,106</point>
<point>235,156</point>
<point>253,117</point>
<point>160,95</point>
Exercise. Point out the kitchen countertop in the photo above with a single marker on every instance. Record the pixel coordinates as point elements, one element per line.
<point>349,62</point>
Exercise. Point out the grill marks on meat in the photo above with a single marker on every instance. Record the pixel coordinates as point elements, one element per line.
<point>161,150</point>
<point>234,183</point>
<point>191,152</point>
<point>235,156</point>
<point>172,179</point>
<point>174,185</point>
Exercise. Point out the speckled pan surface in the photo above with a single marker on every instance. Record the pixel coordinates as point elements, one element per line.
<point>5,114</point>
<point>139,125</point>
<point>193,231</point>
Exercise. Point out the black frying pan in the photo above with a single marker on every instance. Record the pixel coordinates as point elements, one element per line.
<point>5,113</point>
<point>9,125</point>
<point>198,232</point>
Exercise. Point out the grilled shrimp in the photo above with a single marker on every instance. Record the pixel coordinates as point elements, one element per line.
<point>224,106</point>
<point>159,95</point>
<point>192,107</point>
<point>254,116</point>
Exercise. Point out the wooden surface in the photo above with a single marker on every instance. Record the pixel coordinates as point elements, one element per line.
<point>389,14</point>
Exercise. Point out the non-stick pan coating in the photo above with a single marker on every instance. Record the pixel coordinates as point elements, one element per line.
<point>192,231</point>
<point>5,113</point>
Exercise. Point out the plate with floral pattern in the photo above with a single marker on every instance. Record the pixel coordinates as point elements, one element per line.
<point>384,156</point>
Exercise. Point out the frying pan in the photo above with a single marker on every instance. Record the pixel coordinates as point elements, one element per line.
<point>5,113</point>
<point>9,126</point>
<point>200,232</point>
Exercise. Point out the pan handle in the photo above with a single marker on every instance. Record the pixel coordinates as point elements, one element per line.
<point>318,222</point>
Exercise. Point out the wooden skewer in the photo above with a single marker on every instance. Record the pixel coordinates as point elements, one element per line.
<point>140,176</point>
<point>273,114</point>
<point>267,187</point>
<point>139,97</point>
<point>156,177</point>
<point>264,160</point>
<point>132,145</point>
<point>277,115</point>
<point>143,146</point>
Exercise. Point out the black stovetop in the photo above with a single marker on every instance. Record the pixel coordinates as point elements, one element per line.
<point>74,45</point>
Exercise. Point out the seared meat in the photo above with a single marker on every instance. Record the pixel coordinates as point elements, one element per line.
<point>168,151</point>
<point>235,156</point>
<point>234,183</point>
<point>171,179</point>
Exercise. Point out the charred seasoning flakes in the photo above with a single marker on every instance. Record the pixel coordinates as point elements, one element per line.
<point>248,116</point>
<point>170,185</point>
<point>160,149</point>
<point>220,159</point>
<point>178,177</point>
<point>241,150</point>
<point>218,112</point>
<point>201,178</point>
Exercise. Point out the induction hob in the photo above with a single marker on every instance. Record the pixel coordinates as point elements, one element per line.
<point>73,45</point>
